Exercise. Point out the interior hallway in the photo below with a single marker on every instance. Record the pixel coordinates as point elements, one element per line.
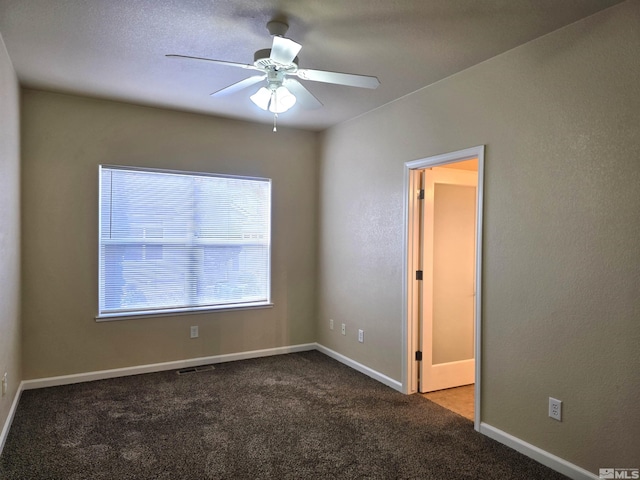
<point>459,400</point>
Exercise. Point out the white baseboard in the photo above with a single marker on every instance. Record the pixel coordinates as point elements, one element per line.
<point>123,372</point>
<point>389,382</point>
<point>159,367</point>
<point>194,362</point>
<point>541,456</point>
<point>9,420</point>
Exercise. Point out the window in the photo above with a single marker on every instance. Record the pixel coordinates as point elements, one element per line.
<point>182,242</point>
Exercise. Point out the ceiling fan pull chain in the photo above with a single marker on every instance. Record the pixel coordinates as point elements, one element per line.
<point>275,122</point>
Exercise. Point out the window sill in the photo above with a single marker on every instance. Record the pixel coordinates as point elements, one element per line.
<point>110,317</point>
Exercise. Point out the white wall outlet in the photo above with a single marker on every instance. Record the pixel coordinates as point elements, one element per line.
<point>555,409</point>
<point>331,324</point>
<point>5,386</point>
<point>344,329</point>
<point>194,331</point>
<point>361,336</point>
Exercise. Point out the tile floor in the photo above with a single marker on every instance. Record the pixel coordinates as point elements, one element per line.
<point>459,400</point>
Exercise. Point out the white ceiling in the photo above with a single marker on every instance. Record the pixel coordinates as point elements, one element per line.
<point>116,48</point>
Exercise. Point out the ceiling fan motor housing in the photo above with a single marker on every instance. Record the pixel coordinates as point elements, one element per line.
<point>262,59</point>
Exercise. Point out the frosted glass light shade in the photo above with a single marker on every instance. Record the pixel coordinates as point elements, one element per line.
<point>262,98</point>
<point>282,100</point>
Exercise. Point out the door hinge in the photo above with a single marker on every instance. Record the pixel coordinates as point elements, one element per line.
<point>418,274</point>
<point>421,194</point>
<point>418,356</point>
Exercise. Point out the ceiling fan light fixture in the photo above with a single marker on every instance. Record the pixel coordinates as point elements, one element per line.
<point>277,100</point>
<point>262,98</point>
<point>281,100</point>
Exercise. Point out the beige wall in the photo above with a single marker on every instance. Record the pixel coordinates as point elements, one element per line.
<point>561,301</point>
<point>10,361</point>
<point>559,117</point>
<point>65,138</point>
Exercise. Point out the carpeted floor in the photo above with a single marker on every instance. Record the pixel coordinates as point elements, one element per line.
<point>296,416</point>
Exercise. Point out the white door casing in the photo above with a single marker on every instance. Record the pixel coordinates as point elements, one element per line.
<point>410,287</point>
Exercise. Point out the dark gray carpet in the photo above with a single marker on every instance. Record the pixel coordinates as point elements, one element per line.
<point>297,416</point>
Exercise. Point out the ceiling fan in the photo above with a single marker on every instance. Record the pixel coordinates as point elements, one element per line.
<point>278,67</point>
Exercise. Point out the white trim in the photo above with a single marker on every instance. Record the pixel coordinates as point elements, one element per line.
<point>107,166</point>
<point>478,329</point>
<point>410,240</point>
<point>537,454</point>
<point>445,158</point>
<point>408,330</point>
<point>194,362</point>
<point>388,381</point>
<point>262,237</point>
<point>541,456</point>
<point>12,411</point>
<point>110,317</point>
<point>158,367</point>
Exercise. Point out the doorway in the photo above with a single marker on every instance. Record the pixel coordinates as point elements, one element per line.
<point>443,207</point>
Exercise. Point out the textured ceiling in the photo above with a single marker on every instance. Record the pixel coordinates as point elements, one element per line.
<point>116,48</point>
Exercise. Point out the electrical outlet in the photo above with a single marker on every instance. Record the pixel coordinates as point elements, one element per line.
<point>5,387</point>
<point>331,324</point>
<point>361,336</point>
<point>194,331</point>
<point>344,329</point>
<point>555,409</point>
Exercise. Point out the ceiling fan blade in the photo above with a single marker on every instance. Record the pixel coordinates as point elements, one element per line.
<point>284,50</point>
<point>350,79</point>
<point>304,97</point>
<point>241,85</point>
<point>219,62</point>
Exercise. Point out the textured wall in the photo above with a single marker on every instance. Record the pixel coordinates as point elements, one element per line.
<point>9,232</point>
<point>561,276</point>
<point>65,138</point>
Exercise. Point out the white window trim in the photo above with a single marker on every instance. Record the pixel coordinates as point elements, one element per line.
<point>177,312</point>
<point>181,311</point>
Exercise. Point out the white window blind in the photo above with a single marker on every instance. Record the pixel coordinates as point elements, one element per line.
<point>178,241</point>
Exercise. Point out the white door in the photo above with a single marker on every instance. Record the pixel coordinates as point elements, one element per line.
<point>448,287</point>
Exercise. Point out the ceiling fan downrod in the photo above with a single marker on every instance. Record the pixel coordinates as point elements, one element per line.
<point>277,28</point>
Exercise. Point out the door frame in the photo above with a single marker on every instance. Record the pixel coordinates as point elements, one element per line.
<point>410,333</point>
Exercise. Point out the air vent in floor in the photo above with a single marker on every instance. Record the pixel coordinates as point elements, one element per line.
<point>203,368</point>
